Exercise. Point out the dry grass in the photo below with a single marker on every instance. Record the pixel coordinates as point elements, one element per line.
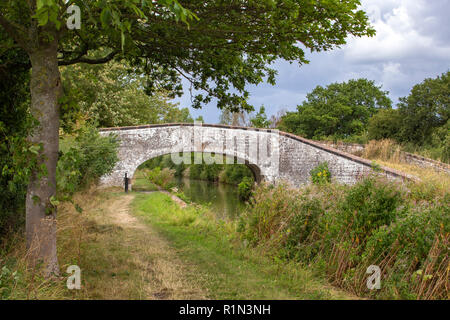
<point>430,181</point>
<point>387,153</point>
<point>386,150</point>
<point>23,282</point>
<point>123,258</point>
<point>119,257</point>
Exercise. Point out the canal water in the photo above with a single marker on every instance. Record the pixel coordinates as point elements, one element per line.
<point>223,199</point>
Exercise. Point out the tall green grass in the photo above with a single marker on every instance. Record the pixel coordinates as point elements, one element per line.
<point>341,230</point>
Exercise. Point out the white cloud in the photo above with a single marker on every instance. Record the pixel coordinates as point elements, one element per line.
<point>399,35</point>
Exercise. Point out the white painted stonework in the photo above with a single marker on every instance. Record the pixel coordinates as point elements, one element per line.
<point>271,155</point>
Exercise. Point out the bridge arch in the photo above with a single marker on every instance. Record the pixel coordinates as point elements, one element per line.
<point>271,155</point>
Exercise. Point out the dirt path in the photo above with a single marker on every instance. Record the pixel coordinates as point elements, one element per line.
<point>163,274</point>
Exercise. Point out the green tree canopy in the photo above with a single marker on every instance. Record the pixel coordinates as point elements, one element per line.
<point>340,110</point>
<point>385,125</point>
<point>200,119</point>
<point>260,119</point>
<point>113,95</point>
<point>173,114</point>
<point>426,108</point>
<point>228,44</point>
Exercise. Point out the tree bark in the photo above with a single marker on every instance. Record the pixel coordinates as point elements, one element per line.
<point>40,213</point>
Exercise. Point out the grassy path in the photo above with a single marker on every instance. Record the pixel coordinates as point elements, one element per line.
<point>217,263</point>
<point>120,256</point>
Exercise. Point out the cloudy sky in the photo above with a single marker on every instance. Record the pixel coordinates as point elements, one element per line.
<point>412,43</point>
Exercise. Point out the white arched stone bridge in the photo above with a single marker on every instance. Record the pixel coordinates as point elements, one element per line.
<point>270,154</point>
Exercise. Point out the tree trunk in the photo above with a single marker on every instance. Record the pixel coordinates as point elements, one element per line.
<point>40,213</point>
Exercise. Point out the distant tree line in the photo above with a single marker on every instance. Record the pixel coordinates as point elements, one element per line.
<point>359,111</point>
<point>225,173</point>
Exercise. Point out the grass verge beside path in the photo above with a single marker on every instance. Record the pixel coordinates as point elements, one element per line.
<point>219,262</point>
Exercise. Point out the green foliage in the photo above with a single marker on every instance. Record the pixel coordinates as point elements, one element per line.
<point>207,172</point>
<point>245,188</point>
<point>425,109</point>
<point>340,110</point>
<point>375,166</point>
<point>268,206</point>
<point>384,125</point>
<point>47,11</point>
<point>421,121</point>
<point>321,174</point>
<point>17,156</point>
<point>226,173</point>
<point>113,95</point>
<point>235,173</point>
<point>164,162</point>
<point>171,39</point>
<point>260,119</point>
<point>301,226</point>
<point>84,159</point>
<point>162,178</point>
<point>440,143</point>
<point>8,280</point>
<point>415,245</point>
<point>343,229</point>
<point>369,205</point>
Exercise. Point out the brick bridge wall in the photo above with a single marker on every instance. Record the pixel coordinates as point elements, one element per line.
<point>291,158</point>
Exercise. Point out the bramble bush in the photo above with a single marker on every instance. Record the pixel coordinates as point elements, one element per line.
<point>341,230</point>
<point>416,244</point>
